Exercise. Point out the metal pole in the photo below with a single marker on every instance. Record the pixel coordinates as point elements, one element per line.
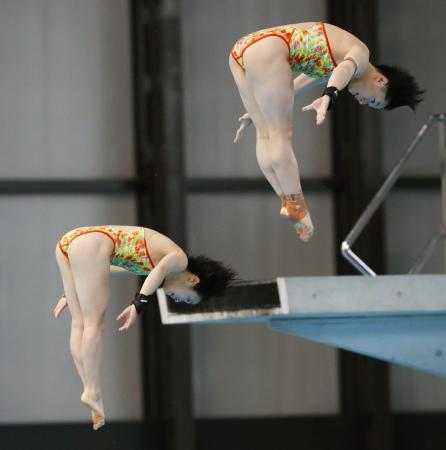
<point>386,187</point>
<point>426,253</point>
<point>356,261</point>
<point>382,193</point>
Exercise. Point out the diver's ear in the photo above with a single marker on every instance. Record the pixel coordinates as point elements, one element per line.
<point>192,280</point>
<point>381,80</point>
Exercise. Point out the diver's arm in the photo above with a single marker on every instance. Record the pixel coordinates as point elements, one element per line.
<point>354,63</point>
<point>173,262</point>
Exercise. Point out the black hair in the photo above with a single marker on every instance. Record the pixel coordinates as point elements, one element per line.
<point>402,89</point>
<point>214,276</point>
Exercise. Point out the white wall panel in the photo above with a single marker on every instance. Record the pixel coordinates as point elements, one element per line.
<point>411,219</point>
<point>65,91</point>
<point>249,370</point>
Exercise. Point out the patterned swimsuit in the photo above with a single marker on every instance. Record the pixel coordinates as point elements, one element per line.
<point>130,250</point>
<point>309,50</point>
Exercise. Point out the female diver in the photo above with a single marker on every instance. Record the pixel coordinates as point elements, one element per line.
<point>87,255</point>
<point>262,64</point>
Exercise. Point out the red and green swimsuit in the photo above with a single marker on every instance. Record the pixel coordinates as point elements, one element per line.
<point>309,50</point>
<point>130,250</point>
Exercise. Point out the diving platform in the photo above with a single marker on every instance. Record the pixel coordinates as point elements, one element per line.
<point>396,318</point>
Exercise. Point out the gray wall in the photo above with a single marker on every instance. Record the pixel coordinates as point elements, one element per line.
<point>248,370</point>
<point>65,102</point>
<point>64,89</point>
<point>411,35</point>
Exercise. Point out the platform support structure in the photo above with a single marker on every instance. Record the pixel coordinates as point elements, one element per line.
<point>356,166</point>
<point>156,57</point>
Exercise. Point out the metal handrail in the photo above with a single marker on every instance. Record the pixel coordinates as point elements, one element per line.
<point>382,193</point>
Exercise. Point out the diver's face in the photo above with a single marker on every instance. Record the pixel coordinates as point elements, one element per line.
<point>371,92</point>
<point>180,287</point>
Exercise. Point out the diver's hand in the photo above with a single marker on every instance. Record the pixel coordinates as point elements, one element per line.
<point>61,304</point>
<point>320,105</point>
<point>128,316</point>
<point>245,121</point>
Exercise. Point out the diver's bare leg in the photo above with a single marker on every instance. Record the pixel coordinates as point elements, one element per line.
<point>270,79</point>
<point>262,140</point>
<point>77,323</point>
<point>89,257</point>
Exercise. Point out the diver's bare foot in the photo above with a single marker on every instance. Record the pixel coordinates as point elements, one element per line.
<point>295,210</point>
<point>94,402</point>
<point>304,228</point>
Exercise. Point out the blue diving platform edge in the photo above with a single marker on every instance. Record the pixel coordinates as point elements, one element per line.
<point>396,318</point>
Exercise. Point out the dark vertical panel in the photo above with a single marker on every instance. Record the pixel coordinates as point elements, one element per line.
<point>357,168</point>
<point>161,205</point>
